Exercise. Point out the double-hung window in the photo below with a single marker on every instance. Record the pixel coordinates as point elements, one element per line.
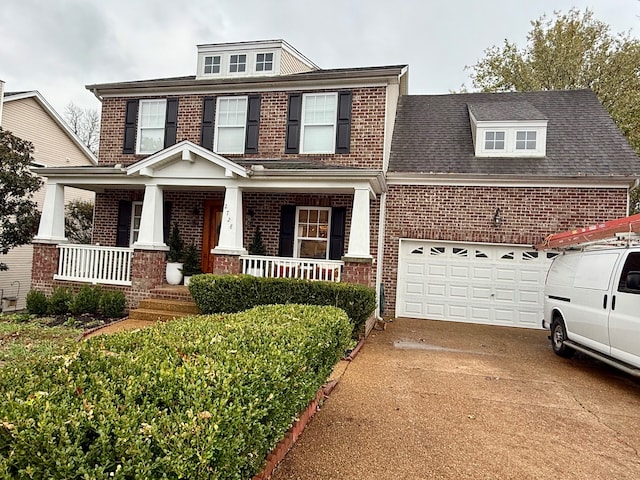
<point>319,122</point>
<point>526,140</point>
<point>312,232</point>
<point>237,63</point>
<point>231,122</point>
<point>151,125</point>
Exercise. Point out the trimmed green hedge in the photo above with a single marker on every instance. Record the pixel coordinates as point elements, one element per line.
<point>235,293</point>
<point>203,397</point>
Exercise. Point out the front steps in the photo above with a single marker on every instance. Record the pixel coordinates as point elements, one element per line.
<point>166,303</point>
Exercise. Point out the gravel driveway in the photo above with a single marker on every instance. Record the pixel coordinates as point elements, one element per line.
<point>427,399</point>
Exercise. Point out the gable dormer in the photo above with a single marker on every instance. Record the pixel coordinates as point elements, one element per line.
<point>508,129</point>
<point>250,59</point>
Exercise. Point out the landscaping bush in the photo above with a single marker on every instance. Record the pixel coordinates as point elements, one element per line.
<point>203,397</point>
<point>235,293</point>
<point>113,303</point>
<point>60,301</point>
<point>37,303</point>
<point>87,300</point>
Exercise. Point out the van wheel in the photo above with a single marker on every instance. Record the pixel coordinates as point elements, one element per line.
<point>558,336</point>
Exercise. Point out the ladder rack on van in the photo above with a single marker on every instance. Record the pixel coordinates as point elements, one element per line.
<point>619,232</point>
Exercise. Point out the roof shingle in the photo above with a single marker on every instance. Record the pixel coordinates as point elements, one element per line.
<point>432,135</point>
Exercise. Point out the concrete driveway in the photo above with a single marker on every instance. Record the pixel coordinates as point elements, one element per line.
<point>427,399</point>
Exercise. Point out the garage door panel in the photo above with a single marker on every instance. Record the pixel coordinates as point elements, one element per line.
<point>415,269</point>
<point>532,276</point>
<point>479,314</point>
<point>459,271</point>
<point>434,290</point>
<point>437,270</point>
<point>530,296</point>
<point>505,274</point>
<point>480,293</point>
<point>459,291</point>
<point>435,310</point>
<point>482,273</point>
<point>413,308</point>
<point>457,312</point>
<point>414,288</point>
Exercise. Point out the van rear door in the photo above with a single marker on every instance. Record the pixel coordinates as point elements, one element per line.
<point>624,318</point>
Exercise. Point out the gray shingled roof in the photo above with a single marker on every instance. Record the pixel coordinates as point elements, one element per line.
<point>501,111</point>
<point>433,135</point>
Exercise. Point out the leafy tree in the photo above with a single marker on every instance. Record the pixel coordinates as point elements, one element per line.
<point>85,123</point>
<point>78,221</point>
<point>572,51</point>
<point>18,211</point>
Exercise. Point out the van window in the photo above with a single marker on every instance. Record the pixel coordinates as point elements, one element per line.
<point>630,283</point>
<point>595,269</point>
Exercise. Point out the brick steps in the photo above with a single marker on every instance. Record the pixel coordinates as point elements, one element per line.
<point>166,303</point>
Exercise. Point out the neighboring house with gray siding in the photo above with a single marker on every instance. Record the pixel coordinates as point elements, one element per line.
<point>30,117</point>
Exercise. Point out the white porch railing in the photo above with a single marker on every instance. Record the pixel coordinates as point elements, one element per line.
<point>286,267</point>
<point>95,264</point>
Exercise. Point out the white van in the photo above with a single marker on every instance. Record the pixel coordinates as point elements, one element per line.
<point>592,304</point>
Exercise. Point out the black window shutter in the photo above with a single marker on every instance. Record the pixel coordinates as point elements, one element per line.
<point>287,226</point>
<point>130,123</point>
<point>171,122</point>
<point>343,123</point>
<point>294,114</point>
<point>124,223</point>
<point>253,124</point>
<point>208,118</point>
<point>336,240</point>
<point>166,221</point>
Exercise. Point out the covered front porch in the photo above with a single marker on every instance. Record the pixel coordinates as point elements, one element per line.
<point>316,221</point>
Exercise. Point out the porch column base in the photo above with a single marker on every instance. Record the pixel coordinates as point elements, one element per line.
<point>45,266</point>
<point>358,270</point>
<point>147,269</point>
<point>227,264</point>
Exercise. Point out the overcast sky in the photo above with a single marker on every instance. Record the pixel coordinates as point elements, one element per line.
<point>59,46</point>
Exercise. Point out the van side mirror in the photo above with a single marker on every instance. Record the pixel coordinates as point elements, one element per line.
<point>633,281</point>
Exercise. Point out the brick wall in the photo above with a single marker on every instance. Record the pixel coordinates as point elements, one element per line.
<point>367,129</point>
<point>226,265</point>
<point>465,214</point>
<point>45,266</point>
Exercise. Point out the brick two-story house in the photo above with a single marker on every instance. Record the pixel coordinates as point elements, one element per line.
<point>259,137</point>
<point>434,200</point>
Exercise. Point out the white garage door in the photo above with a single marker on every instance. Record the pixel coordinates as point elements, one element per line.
<point>472,282</point>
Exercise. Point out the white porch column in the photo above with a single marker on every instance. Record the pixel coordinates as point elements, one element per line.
<point>51,228</point>
<point>359,236</point>
<point>150,236</point>
<point>230,241</point>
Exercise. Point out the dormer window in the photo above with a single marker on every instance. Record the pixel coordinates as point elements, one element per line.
<point>212,64</point>
<point>237,63</point>
<point>526,140</point>
<point>508,129</point>
<point>494,140</point>
<point>264,62</point>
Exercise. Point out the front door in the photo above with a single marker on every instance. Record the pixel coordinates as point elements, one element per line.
<point>210,232</point>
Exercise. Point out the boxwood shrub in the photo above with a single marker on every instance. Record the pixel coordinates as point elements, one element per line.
<point>235,293</point>
<point>203,397</point>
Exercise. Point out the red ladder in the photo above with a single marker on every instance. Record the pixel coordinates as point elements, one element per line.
<point>591,233</point>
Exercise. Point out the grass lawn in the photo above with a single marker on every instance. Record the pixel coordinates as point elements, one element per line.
<point>22,336</point>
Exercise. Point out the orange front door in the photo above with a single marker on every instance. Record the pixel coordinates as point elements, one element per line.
<point>210,232</point>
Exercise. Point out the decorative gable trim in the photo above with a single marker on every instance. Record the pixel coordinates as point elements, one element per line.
<point>184,151</point>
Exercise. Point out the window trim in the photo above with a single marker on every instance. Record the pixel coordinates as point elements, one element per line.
<point>264,62</point>
<point>237,64</point>
<point>526,141</point>
<point>303,125</point>
<point>139,127</point>
<point>213,64</point>
<point>495,132</point>
<point>216,124</point>
<point>297,238</point>
<point>133,230</point>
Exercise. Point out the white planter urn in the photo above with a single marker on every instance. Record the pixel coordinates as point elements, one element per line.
<point>187,280</point>
<point>174,273</point>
